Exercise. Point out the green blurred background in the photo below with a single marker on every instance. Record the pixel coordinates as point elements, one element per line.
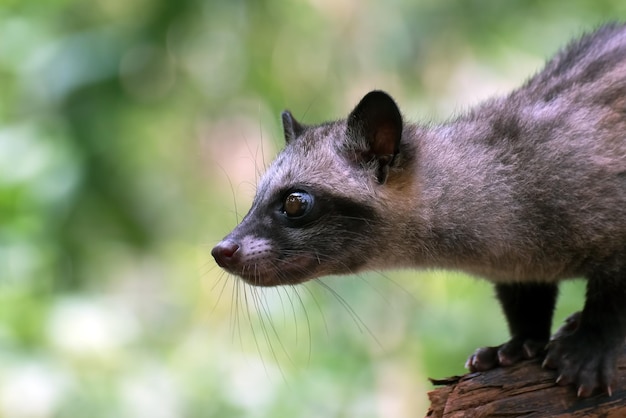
<point>131,136</point>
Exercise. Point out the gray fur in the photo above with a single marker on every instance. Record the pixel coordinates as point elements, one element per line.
<point>530,186</point>
<point>525,190</point>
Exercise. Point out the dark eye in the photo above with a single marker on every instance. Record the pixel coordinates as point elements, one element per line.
<point>297,204</point>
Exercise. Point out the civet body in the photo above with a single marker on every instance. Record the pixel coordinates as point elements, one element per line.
<point>525,190</point>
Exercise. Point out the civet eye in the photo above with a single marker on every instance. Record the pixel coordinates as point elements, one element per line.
<point>297,204</point>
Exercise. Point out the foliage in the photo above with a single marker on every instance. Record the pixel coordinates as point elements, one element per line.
<point>130,131</point>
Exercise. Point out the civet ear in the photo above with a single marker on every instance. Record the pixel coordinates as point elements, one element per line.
<point>291,127</point>
<point>375,127</point>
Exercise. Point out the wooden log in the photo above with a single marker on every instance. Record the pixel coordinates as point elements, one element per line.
<point>523,390</point>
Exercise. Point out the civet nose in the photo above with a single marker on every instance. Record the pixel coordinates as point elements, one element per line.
<point>225,253</point>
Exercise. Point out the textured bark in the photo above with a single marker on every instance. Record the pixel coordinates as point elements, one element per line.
<point>524,390</point>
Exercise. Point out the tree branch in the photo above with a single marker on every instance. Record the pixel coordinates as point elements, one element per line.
<point>523,390</point>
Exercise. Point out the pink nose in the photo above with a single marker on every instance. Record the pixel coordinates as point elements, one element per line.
<point>225,253</point>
